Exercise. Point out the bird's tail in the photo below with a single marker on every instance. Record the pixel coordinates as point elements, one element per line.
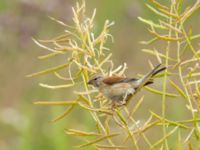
<point>147,79</point>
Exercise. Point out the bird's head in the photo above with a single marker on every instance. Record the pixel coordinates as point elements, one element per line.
<point>96,81</point>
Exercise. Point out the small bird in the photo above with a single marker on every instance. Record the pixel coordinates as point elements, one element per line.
<point>120,89</point>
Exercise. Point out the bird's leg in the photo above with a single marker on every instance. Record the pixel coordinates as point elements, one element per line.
<point>123,102</point>
<point>119,103</point>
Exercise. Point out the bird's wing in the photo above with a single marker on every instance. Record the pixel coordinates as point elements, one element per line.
<point>116,79</point>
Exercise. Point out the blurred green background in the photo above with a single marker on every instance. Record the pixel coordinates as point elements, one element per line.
<point>24,126</point>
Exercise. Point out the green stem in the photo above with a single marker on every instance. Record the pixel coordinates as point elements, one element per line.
<point>188,41</point>
<point>165,80</point>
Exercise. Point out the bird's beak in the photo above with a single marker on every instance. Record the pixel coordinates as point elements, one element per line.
<point>89,82</point>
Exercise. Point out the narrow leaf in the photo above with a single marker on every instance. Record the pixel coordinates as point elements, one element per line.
<point>151,23</point>
<point>169,121</point>
<point>160,92</point>
<point>152,52</point>
<point>97,140</point>
<point>55,103</point>
<point>110,147</point>
<point>45,47</point>
<point>149,42</point>
<point>80,133</point>
<point>63,114</point>
<point>159,5</point>
<point>181,92</point>
<point>164,138</point>
<point>156,11</point>
<point>48,70</point>
<point>49,55</point>
<point>101,110</point>
<point>121,117</point>
<point>56,86</point>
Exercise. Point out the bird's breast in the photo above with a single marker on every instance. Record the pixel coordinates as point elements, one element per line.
<point>116,91</point>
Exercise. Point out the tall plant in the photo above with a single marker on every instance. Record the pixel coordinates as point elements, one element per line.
<point>87,55</point>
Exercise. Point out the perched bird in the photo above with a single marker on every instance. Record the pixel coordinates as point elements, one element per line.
<point>120,89</point>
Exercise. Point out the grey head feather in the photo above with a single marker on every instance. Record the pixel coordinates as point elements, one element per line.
<point>96,80</point>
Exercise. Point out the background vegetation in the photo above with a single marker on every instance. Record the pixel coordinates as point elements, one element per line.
<point>25,126</point>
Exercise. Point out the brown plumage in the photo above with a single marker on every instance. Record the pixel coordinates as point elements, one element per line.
<point>116,79</point>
